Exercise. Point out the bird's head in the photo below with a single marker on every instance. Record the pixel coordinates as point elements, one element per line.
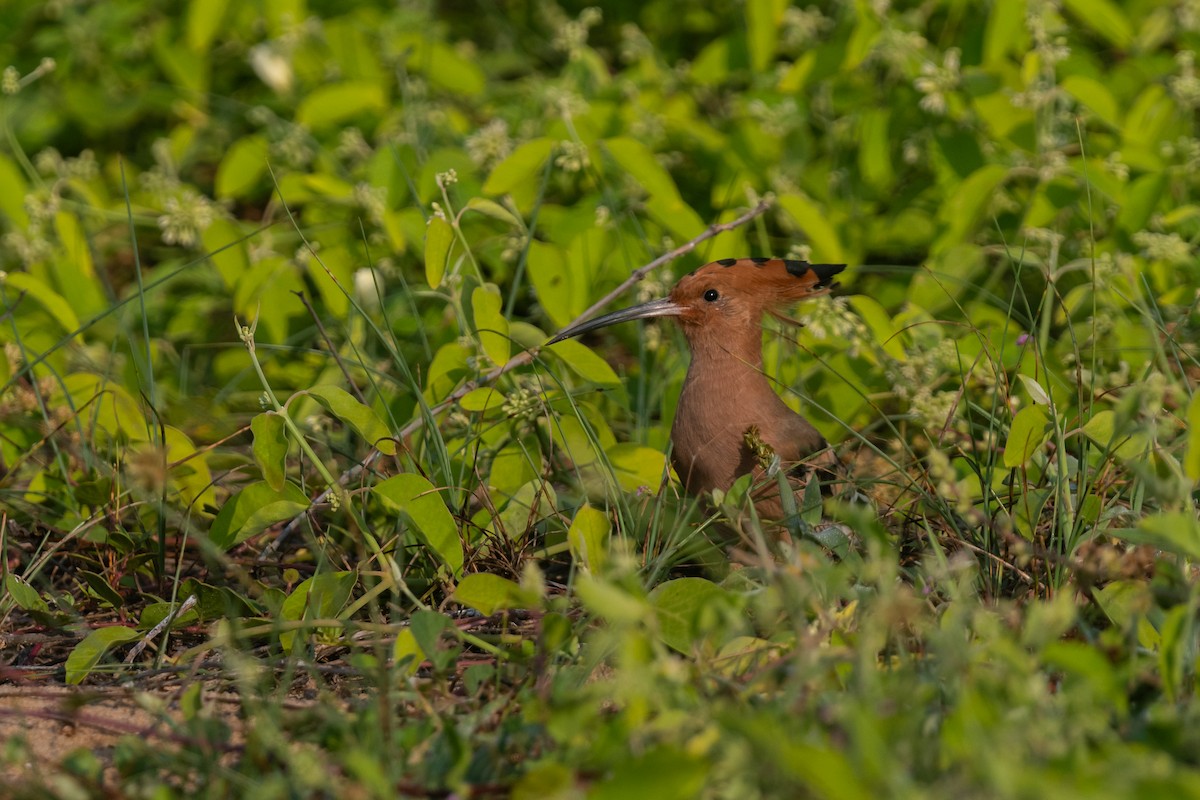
<point>726,296</point>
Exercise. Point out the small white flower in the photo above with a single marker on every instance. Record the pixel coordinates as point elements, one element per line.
<point>272,68</point>
<point>368,287</point>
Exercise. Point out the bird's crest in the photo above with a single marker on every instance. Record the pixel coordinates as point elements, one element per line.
<point>772,282</point>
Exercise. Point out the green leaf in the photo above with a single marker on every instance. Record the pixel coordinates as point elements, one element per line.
<point>191,474</point>
<point>877,319</point>
<point>1149,115</point>
<point>87,654</point>
<point>115,411</point>
<point>794,78</point>
<point>14,284</point>
<point>1141,199</point>
<point>1091,667</point>
<point>813,222</point>
<point>1095,96</point>
<point>322,596</point>
<point>1174,531</point>
<point>527,504</point>
<point>611,602</point>
<point>1176,651</point>
<point>485,398</point>
<point>24,595</point>
<point>664,772</point>
<point>637,467</point>
<point>242,167</point>
<point>1048,621</point>
<point>439,236</point>
<point>1104,18</point>
<point>254,509</point>
<point>270,447</point>
<point>427,628</point>
<point>203,21</point>
<point>362,418</point>
<point>875,149</point>
<point>75,273</point>
<point>1125,603</point>
<point>487,593</point>
<point>335,103</point>
<point>226,253</point>
<point>185,67</point>
<point>101,589</point>
<point>861,43</point>
<point>763,22</point>
<point>585,363</point>
<point>578,443</point>
<point>678,605</point>
<point>675,215</point>
<point>1026,436</point>
<point>512,468</point>
<point>638,160</point>
<point>494,210</point>
<point>1036,392</point>
<point>1005,30</point>
<point>12,193</point>
<point>445,67</point>
<point>665,204</point>
<point>588,537</point>
<point>547,264</point>
<point>1100,427</point>
<point>1191,461</point>
<point>745,654</point>
<point>406,647</point>
<point>415,497</point>
<point>522,166</point>
<point>544,780</point>
<point>448,368</point>
<point>965,207</point>
<point>490,324</point>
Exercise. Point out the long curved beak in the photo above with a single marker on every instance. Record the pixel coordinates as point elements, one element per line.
<point>655,308</point>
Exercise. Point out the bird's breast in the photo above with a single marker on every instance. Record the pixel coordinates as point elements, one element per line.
<point>717,409</point>
<point>708,436</point>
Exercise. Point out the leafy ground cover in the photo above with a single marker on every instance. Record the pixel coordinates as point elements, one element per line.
<point>294,503</point>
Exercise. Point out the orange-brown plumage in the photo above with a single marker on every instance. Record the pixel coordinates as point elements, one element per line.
<point>726,394</point>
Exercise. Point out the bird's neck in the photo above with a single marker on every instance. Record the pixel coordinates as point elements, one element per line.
<point>734,358</point>
<point>725,393</point>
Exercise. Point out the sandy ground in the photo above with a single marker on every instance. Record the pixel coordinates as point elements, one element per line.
<point>53,721</point>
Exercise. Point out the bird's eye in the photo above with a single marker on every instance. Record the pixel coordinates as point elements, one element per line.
<point>711,295</point>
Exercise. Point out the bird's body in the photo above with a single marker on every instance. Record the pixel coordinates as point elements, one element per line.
<point>726,399</point>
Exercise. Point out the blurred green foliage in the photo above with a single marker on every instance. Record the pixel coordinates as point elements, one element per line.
<point>250,250</point>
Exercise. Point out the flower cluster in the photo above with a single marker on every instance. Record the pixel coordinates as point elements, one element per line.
<point>490,144</point>
<point>802,27</point>
<point>11,82</point>
<point>352,146</point>
<point>1185,86</point>
<point>571,35</point>
<point>1168,247</point>
<point>775,119</point>
<point>635,45</point>
<point>1187,14</point>
<point>898,49</point>
<point>833,318</point>
<point>914,379</point>
<point>522,405</point>
<point>372,200</point>
<point>185,217</point>
<point>935,81</point>
<point>572,156</point>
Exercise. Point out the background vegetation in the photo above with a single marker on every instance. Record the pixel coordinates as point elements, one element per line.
<point>264,264</point>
